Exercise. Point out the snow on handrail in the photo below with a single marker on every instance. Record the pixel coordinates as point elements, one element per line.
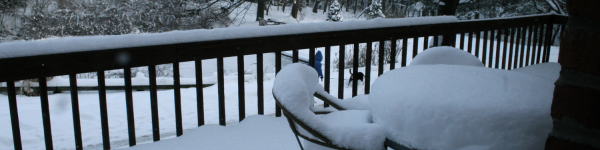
<point>94,43</point>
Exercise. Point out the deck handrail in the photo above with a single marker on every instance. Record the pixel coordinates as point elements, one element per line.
<point>41,66</point>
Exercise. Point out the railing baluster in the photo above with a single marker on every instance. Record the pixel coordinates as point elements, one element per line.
<point>562,30</point>
<point>327,71</point>
<point>154,102</point>
<point>462,40</point>
<point>355,68</point>
<point>452,39</point>
<point>505,47</point>
<point>177,94</point>
<point>277,68</point>
<point>491,54</point>
<point>484,51</point>
<point>415,47</point>
<point>14,115</point>
<point>199,90</point>
<point>295,56</point>
<point>368,67</point>
<point>478,37</point>
<point>311,57</point>
<point>75,111</point>
<point>259,84</point>
<point>498,43</point>
<point>381,53</point>
<point>404,53</point>
<point>46,112</point>
<point>534,46</point>
<point>393,54</point>
<point>241,92</point>
<point>548,43</point>
<point>129,105</point>
<point>528,51</point>
<point>523,38</point>
<point>470,45</point>
<point>221,87</point>
<point>103,110</point>
<point>436,40</point>
<point>425,42</point>
<point>518,51</point>
<point>540,45</point>
<point>341,71</point>
<point>510,50</point>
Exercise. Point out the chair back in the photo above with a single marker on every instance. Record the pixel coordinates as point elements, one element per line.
<point>293,92</point>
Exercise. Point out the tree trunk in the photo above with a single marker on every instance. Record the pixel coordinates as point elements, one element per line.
<point>383,6</point>
<point>355,4</point>
<point>283,6</point>
<point>575,106</point>
<point>326,6</point>
<point>260,13</point>
<point>295,9</point>
<point>316,6</point>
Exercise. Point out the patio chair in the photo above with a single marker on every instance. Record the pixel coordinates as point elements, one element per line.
<point>348,129</point>
<point>360,102</point>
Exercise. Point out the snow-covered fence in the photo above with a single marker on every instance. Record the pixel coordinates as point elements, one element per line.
<point>529,39</point>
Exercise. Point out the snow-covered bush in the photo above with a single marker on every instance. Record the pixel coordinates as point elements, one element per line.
<point>334,12</point>
<point>374,11</point>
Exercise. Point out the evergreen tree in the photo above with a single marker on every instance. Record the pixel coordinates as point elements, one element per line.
<point>334,12</point>
<point>374,10</point>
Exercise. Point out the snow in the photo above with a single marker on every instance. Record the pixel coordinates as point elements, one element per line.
<point>30,114</point>
<point>359,102</point>
<point>294,87</point>
<point>463,107</point>
<point>254,133</point>
<point>93,43</point>
<point>550,71</point>
<point>446,55</point>
<point>61,116</point>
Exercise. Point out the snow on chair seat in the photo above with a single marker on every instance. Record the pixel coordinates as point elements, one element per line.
<point>447,56</point>
<point>293,91</point>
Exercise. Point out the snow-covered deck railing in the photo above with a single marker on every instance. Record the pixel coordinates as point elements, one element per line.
<point>69,56</point>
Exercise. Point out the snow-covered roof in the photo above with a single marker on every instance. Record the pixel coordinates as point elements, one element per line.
<point>93,43</point>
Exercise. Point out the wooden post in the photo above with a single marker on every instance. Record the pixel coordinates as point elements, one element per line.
<point>449,8</point>
<point>575,106</point>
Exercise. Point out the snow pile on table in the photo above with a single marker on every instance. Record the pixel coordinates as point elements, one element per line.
<point>463,107</point>
<point>93,43</point>
<point>445,55</point>
<point>550,71</point>
<point>294,87</point>
<point>254,133</point>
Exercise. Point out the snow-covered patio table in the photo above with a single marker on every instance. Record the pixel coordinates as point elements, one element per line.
<point>465,107</point>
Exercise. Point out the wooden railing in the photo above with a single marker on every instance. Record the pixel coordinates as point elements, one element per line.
<point>534,32</point>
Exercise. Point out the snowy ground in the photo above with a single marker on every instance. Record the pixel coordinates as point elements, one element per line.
<point>61,117</point>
